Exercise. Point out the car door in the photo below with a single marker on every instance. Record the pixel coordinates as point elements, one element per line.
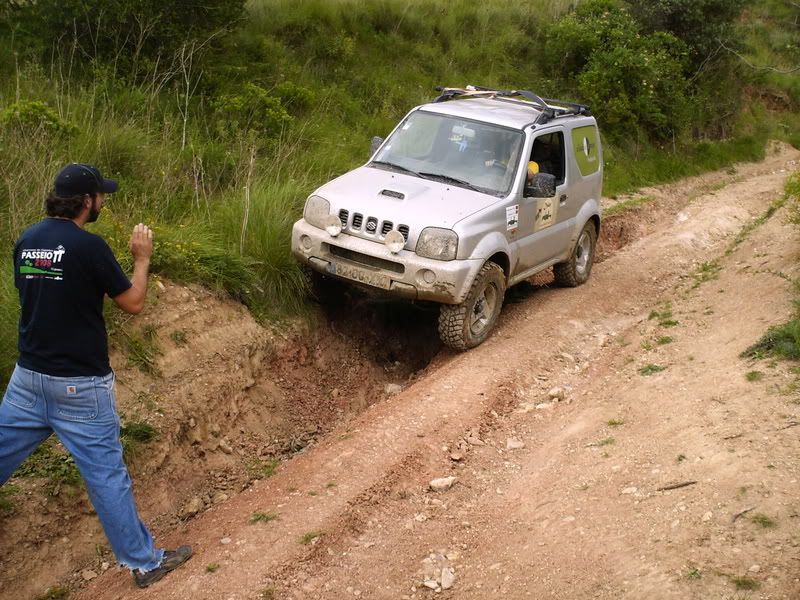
<point>543,222</point>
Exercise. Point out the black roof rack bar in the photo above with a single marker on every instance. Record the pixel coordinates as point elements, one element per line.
<point>549,108</point>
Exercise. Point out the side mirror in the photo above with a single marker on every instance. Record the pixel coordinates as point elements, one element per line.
<point>542,185</point>
<point>376,143</point>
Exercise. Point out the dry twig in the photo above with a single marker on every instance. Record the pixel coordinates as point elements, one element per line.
<point>675,486</point>
<point>742,512</point>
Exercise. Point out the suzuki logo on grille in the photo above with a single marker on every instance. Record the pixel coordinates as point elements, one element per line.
<point>372,225</point>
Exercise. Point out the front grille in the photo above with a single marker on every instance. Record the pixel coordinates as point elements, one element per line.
<point>372,225</point>
<point>367,260</point>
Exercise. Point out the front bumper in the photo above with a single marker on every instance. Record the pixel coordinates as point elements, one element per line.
<point>406,275</point>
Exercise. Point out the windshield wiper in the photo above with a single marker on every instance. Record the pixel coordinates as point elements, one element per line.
<point>439,176</point>
<point>454,180</point>
<point>392,165</point>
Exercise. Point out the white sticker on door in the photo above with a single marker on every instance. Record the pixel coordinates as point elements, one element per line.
<point>512,217</point>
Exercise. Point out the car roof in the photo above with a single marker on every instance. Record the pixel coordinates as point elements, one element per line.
<point>509,113</point>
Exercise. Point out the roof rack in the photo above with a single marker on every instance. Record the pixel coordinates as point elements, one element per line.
<point>550,109</point>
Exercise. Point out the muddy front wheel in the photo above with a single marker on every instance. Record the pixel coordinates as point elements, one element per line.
<point>464,326</point>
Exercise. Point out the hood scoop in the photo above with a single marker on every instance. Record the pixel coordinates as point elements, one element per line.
<point>393,194</point>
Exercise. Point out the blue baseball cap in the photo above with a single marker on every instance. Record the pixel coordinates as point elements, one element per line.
<point>79,178</point>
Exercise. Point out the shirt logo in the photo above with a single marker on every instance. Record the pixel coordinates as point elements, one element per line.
<point>42,263</point>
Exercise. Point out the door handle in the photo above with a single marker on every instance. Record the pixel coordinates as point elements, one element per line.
<point>562,199</point>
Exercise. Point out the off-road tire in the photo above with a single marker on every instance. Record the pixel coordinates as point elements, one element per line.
<point>457,321</point>
<point>576,270</point>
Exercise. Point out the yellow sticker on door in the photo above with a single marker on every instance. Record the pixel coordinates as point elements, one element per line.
<point>545,213</point>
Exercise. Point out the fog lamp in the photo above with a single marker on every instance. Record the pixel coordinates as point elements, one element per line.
<point>394,241</point>
<point>333,225</point>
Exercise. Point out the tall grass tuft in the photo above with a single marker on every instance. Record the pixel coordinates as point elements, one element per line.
<point>274,205</point>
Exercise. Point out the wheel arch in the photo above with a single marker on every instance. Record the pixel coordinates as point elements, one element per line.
<point>502,260</point>
<point>494,248</point>
<point>589,212</point>
<point>595,219</point>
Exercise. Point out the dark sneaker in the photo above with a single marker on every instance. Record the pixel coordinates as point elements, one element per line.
<point>172,560</point>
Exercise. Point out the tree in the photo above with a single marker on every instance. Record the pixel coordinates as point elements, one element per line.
<point>633,81</point>
<point>703,25</point>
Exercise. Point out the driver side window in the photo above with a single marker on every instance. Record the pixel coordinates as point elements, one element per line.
<point>548,153</point>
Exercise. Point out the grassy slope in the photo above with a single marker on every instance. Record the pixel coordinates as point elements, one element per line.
<point>363,63</point>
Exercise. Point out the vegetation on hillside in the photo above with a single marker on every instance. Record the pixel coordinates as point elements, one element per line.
<point>219,118</point>
<point>784,340</point>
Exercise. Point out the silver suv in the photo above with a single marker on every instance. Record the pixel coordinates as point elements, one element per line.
<point>470,194</point>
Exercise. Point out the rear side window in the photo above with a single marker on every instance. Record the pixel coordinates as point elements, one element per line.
<point>587,149</point>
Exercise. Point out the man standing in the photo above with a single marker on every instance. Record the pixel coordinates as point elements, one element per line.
<point>63,382</point>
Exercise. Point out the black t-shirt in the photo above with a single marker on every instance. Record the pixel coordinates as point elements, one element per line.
<point>63,273</point>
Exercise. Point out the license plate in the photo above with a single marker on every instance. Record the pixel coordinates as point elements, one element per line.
<point>363,276</point>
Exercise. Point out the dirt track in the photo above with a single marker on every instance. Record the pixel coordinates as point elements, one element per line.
<point>576,512</point>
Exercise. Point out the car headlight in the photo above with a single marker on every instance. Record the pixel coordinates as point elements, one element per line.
<point>316,212</point>
<point>437,243</point>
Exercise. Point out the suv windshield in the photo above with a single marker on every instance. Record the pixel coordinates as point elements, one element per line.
<point>458,151</point>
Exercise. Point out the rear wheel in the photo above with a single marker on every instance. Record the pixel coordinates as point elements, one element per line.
<point>464,326</point>
<point>577,269</point>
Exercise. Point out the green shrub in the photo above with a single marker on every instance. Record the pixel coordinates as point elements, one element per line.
<point>780,340</point>
<point>253,110</point>
<point>294,97</point>
<point>594,25</point>
<point>638,85</point>
<point>632,80</point>
<point>700,24</point>
<point>35,114</point>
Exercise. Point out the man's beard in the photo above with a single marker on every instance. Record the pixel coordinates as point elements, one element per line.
<point>93,214</point>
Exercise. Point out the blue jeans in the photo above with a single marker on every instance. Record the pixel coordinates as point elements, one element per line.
<point>82,412</point>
